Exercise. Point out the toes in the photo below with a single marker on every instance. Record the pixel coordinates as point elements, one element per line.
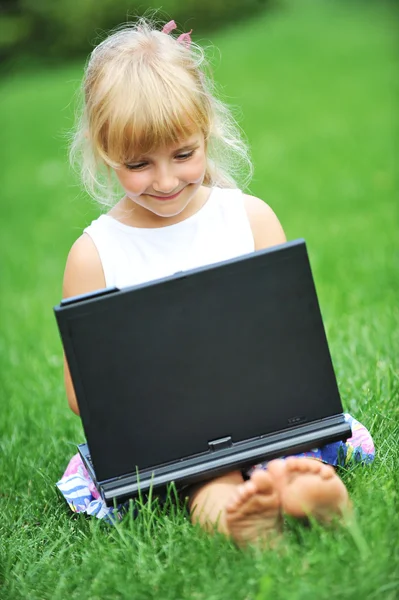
<point>263,504</point>
<point>245,491</point>
<point>327,471</point>
<point>260,485</point>
<point>266,505</point>
<point>262,481</point>
<point>277,470</point>
<point>242,493</point>
<point>303,465</point>
<point>282,470</point>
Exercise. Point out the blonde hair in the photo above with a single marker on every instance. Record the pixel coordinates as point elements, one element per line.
<point>143,89</point>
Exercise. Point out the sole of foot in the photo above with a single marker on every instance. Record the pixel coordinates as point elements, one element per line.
<point>253,515</point>
<point>309,488</point>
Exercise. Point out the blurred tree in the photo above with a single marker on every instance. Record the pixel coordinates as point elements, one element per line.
<point>65,28</point>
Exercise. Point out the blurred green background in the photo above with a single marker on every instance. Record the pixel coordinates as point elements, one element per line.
<point>65,28</point>
<point>314,84</point>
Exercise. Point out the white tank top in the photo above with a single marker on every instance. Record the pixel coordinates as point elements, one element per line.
<point>131,255</point>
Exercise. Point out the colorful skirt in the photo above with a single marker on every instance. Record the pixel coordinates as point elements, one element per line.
<point>81,494</point>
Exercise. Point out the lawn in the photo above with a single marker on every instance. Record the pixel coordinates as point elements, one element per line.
<point>316,85</point>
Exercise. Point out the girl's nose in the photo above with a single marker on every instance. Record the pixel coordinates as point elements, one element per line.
<point>165,181</point>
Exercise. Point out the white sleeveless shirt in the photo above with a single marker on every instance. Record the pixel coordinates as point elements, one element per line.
<point>131,255</point>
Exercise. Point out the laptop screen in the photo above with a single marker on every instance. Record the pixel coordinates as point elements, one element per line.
<point>236,349</point>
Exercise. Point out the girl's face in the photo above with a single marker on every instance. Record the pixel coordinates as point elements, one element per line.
<point>165,181</point>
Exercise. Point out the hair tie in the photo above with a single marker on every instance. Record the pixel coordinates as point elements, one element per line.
<point>184,38</point>
<point>169,27</point>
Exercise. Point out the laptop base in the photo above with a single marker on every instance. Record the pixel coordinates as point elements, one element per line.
<point>217,462</point>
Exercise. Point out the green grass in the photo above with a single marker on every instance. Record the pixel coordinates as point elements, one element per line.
<point>316,83</point>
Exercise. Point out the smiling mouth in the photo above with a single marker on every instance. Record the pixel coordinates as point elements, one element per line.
<point>166,197</point>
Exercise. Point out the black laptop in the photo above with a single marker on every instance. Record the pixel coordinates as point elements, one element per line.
<point>207,371</point>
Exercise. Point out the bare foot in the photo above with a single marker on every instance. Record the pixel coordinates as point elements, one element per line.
<point>309,488</point>
<point>253,513</point>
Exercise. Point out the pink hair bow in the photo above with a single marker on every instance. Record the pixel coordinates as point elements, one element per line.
<point>184,38</point>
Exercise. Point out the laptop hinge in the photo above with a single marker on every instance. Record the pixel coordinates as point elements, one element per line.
<point>220,444</point>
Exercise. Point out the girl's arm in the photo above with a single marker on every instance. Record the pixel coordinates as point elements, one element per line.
<point>83,274</point>
<point>265,226</point>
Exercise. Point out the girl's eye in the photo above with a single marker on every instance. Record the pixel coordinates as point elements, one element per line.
<point>185,155</point>
<point>136,166</point>
<point>141,165</point>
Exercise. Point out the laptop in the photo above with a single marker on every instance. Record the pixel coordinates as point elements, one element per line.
<point>188,377</point>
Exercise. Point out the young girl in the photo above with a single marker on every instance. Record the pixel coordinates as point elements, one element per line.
<point>152,124</point>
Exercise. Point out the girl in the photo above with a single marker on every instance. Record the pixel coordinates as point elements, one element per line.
<point>152,124</point>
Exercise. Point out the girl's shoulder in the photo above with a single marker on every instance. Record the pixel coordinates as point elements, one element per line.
<point>83,271</point>
<point>265,226</point>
